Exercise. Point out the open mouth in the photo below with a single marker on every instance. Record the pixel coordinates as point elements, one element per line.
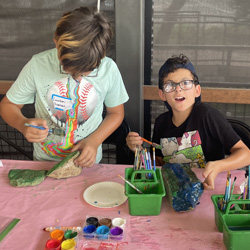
<point>179,99</point>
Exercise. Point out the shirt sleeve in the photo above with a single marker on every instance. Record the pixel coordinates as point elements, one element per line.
<point>221,129</point>
<point>23,89</point>
<point>117,93</point>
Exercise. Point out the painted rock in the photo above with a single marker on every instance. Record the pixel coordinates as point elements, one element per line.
<point>26,177</point>
<point>65,168</point>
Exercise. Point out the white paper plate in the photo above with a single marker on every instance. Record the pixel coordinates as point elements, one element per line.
<point>105,194</point>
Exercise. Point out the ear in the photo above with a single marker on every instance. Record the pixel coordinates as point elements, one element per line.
<point>55,42</point>
<point>161,95</point>
<point>197,90</point>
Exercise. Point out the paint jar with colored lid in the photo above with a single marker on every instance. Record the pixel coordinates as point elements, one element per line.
<point>105,222</point>
<point>116,233</point>
<point>102,232</point>
<point>119,222</point>
<point>89,231</point>
<point>57,234</point>
<point>69,244</point>
<point>53,244</point>
<point>69,234</point>
<point>92,221</point>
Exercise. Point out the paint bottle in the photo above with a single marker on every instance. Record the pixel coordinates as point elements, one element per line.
<point>92,221</point>
<point>106,222</point>
<point>69,234</point>
<point>57,234</point>
<point>69,244</point>
<point>116,233</point>
<point>89,231</point>
<point>53,244</point>
<point>119,222</point>
<point>102,232</point>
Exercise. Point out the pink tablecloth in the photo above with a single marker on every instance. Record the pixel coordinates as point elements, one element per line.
<point>61,203</point>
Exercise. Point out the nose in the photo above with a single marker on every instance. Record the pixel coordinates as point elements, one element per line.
<point>178,88</point>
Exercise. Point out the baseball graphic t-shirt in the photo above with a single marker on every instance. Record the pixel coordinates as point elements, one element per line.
<point>76,106</point>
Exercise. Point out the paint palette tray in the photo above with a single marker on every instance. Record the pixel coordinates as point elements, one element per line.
<point>236,209</point>
<point>150,182</point>
<point>104,229</point>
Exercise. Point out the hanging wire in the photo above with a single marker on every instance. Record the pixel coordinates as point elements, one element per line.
<point>98,6</point>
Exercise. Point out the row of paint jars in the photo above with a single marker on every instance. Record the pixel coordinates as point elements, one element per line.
<point>61,240</point>
<point>104,228</point>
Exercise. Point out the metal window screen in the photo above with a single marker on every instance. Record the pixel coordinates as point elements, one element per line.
<point>215,35</point>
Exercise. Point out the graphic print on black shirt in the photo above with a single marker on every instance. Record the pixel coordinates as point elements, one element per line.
<point>185,149</point>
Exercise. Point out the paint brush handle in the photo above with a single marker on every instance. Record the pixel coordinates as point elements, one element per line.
<point>49,229</point>
<point>38,127</point>
<point>149,142</point>
<point>131,185</point>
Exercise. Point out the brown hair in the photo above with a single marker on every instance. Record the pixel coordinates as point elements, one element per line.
<point>82,38</point>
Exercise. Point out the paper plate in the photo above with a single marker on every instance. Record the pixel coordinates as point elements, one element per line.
<point>105,194</point>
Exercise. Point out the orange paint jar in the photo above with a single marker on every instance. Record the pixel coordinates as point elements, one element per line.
<point>57,234</point>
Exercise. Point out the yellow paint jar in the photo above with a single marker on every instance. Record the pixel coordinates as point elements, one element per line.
<point>69,244</point>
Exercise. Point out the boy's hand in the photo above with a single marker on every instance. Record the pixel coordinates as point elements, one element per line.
<point>88,150</point>
<point>133,140</point>
<point>35,134</point>
<point>209,174</point>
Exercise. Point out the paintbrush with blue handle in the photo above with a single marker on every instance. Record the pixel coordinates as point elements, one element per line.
<point>55,131</point>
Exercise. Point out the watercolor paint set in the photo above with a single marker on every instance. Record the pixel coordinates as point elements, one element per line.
<point>104,229</point>
<point>151,185</point>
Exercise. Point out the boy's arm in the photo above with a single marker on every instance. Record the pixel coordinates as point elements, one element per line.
<point>12,115</point>
<point>239,157</point>
<point>89,145</point>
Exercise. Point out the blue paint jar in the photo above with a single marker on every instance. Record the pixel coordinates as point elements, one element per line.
<point>89,231</point>
<point>102,232</point>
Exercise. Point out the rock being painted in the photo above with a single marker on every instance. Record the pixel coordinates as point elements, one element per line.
<point>65,168</point>
<point>26,177</point>
<point>182,186</point>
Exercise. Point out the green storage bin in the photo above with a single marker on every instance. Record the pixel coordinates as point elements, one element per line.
<point>236,229</point>
<point>148,203</point>
<point>237,209</point>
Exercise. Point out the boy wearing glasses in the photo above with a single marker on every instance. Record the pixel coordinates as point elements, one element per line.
<point>69,85</point>
<point>192,132</point>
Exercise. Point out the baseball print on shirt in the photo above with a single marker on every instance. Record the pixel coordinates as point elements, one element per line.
<point>71,102</point>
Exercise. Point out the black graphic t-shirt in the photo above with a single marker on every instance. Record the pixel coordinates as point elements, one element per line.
<point>203,137</point>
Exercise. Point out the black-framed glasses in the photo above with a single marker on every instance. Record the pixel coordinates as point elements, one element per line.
<point>170,86</point>
<point>91,74</point>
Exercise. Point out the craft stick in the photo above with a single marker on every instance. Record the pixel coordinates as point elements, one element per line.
<point>10,226</point>
<point>131,185</point>
<point>49,229</point>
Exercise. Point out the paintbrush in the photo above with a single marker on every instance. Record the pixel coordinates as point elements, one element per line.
<point>55,131</point>
<point>131,185</point>
<point>155,145</point>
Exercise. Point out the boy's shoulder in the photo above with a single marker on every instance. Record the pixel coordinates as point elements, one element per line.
<point>204,108</point>
<point>51,53</point>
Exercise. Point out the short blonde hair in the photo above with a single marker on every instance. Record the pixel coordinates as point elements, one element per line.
<point>82,38</point>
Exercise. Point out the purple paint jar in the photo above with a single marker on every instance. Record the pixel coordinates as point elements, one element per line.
<point>116,233</point>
